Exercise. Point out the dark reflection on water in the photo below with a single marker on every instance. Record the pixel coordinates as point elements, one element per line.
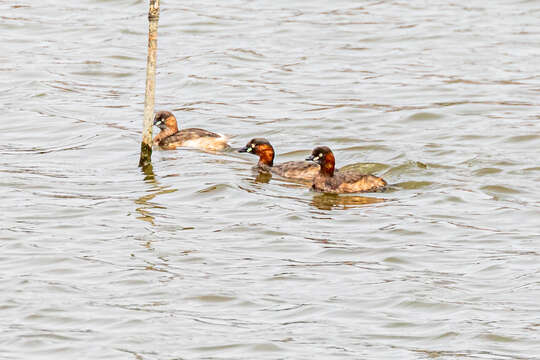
<point>148,171</point>
<point>145,202</point>
<point>342,202</point>
<point>197,256</point>
<point>263,177</point>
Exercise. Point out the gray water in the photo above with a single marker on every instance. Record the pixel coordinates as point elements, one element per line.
<point>198,257</point>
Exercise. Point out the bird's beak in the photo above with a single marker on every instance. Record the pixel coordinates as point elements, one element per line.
<point>245,149</point>
<point>159,124</point>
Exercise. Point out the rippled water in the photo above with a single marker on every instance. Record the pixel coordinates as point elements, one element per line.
<point>201,258</point>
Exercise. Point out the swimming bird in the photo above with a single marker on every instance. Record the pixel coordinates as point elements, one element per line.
<point>170,137</point>
<point>327,180</point>
<point>299,170</point>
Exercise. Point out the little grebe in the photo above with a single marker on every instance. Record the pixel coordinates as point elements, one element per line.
<point>170,138</point>
<point>299,170</point>
<point>342,181</point>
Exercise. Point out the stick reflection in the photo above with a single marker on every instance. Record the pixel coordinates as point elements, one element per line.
<point>146,205</point>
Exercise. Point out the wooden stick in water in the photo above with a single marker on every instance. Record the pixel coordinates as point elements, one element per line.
<point>146,145</point>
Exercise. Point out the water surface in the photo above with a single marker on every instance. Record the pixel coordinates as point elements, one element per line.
<point>200,258</point>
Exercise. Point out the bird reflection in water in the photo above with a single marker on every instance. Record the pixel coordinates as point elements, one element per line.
<point>342,202</point>
<point>263,177</point>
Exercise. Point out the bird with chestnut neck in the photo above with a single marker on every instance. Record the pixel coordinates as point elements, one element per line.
<point>329,181</point>
<point>297,170</point>
<point>170,137</point>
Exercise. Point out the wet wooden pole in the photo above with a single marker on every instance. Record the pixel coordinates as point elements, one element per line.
<point>146,145</point>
